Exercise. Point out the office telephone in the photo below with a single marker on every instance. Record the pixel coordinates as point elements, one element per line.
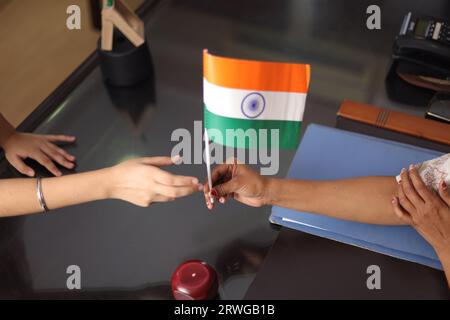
<point>421,60</point>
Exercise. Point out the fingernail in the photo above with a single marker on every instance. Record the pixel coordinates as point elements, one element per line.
<point>177,159</point>
<point>222,200</point>
<point>403,170</point>
<point>30,173</point>
<point>411,167</point>
<point>394,200</point>
<point>200,187</point>
<point>214,193</point>
<point>444,185</point>
<point>195,181</point>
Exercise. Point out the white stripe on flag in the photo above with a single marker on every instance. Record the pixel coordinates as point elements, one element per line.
<point>227,102</point>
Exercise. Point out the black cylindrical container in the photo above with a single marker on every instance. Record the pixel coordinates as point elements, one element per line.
<point>126,65</point>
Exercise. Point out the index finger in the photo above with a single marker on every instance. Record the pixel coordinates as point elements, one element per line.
<point>160,161</point>
<point>208,198</point>
<point>60,137</point>
<point>220,172</point>
<point>409,189</point>
<point>419,185</point>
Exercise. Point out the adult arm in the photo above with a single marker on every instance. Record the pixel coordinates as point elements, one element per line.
<point>366,199</point>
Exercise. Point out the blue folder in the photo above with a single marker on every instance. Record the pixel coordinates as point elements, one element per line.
<point>329,153</point>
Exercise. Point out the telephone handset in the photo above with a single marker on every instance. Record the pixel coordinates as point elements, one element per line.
<point>420,60</point>
<point>424,46</point>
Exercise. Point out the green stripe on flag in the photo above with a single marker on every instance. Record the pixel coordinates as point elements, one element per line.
<point>289,131</point>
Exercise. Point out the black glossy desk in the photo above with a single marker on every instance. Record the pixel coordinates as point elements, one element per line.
<point>130,252</point>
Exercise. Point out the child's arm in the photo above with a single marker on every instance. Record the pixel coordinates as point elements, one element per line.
<point>139,181</point>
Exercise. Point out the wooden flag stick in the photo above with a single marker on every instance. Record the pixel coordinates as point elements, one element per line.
<point>116,14</point>
<point>133,20</point>
<point>107,34</point>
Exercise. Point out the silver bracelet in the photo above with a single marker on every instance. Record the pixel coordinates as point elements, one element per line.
<point>40,195</point>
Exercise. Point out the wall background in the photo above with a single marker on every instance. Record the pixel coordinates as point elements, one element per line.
<point>37,51</point>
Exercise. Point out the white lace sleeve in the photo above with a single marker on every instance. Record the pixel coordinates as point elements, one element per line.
<point>434,171</point>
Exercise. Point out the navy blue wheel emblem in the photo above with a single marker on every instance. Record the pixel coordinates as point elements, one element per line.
<point>253,105</point>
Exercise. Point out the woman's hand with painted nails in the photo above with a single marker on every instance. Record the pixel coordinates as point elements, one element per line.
<point>143,182</point>
<point>236,181</point>
<point>424,209</point>
<point>42,148</point>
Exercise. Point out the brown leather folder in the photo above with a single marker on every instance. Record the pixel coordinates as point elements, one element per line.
<point>396,121</point>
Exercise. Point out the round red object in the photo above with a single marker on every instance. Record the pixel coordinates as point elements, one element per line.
<point>194,280</point>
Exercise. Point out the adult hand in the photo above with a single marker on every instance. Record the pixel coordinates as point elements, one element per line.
<point>19,146</point>
<point>425,210</point>
<point>237,181</point>
<point>142,182</point>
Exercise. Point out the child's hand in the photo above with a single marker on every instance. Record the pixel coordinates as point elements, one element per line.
<point>19,146</point>
<point>143,182</point>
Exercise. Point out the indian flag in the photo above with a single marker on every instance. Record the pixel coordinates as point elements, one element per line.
<point>246,94</point>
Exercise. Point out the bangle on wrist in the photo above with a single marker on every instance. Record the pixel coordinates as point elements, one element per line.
<point>40,195</point>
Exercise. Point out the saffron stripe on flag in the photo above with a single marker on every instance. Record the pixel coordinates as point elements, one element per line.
<point>289,131</point>
<point>256,75</point>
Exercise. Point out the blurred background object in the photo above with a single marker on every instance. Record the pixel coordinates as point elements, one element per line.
<point>38,52</point>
